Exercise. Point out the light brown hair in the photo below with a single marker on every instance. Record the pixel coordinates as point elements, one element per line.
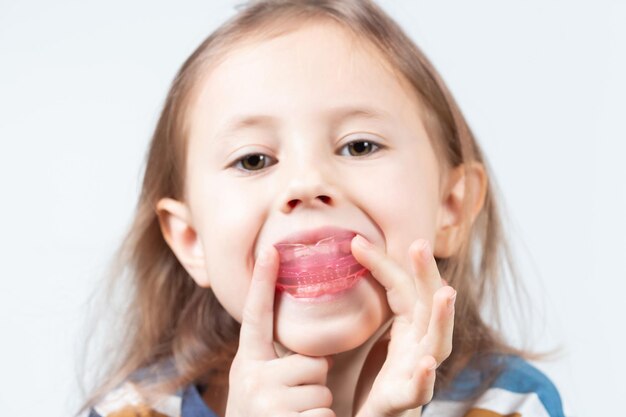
<point>168,317</point>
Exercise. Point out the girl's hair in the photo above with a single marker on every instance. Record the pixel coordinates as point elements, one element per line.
<point>168,318</point>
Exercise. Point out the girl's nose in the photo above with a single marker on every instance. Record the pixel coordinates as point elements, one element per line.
<point>308,188</point>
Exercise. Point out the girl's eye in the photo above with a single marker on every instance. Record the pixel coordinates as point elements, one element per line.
<point>362,147</point>
<point>258,161</point>
<point>253,162</point>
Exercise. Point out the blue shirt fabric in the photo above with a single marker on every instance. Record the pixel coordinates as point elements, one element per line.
<point>191,405</point>
<point>520,390</point>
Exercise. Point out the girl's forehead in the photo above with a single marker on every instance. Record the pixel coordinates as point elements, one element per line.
<point>305,73</point>
<point>322,58</point>
<point>302,44</point>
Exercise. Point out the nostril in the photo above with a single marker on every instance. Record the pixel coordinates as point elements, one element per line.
<point>293,203</point>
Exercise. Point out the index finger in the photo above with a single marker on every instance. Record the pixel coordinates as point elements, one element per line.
<point>257,324</point>
<point>401,293</point>
<point>425,268</point>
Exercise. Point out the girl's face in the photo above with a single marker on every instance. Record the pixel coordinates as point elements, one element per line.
<point>304,97</point>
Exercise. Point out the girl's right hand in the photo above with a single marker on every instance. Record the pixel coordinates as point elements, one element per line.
<point>260,382</point>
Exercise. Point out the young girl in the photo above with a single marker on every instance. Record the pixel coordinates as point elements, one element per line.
<point>309,183</point>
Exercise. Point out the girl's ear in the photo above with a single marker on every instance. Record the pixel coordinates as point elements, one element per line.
<point>179,233</point>
<point>466,181</point>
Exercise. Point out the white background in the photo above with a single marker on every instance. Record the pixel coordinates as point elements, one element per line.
<point>81,84</point>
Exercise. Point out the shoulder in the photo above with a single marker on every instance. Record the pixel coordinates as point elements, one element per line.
<point>520,389</point>
<point>130,400</point>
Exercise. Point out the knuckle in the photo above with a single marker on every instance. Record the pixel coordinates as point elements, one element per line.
<point>441,357</point>
<point>421,395</point>
<point>445,349</point>
<point>440,295</point>
<point>319,412</point>
<point>415,247</point>
<point>239,369</point>
<point>322,365</point>
<point>326,412</point>
<point>374,269</point>
<point>426,396</point>
<point>445,293</point>
<point>326,397</point>
<point>249,316</point>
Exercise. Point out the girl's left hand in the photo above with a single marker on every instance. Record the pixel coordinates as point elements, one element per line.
<point>420,333</point>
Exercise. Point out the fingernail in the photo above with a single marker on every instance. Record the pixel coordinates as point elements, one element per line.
<point>426,252</point>
<point>451,302</point>
<point>361,241</point>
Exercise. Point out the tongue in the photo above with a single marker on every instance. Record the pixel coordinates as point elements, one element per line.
<point>324,267</point>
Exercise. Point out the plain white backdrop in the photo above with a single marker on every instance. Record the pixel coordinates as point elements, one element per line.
<point>81,84</point>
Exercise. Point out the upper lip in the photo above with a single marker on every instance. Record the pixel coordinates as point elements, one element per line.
<point>314,235</point>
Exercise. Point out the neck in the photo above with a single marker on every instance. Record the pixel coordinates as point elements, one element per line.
<point>350,377</point>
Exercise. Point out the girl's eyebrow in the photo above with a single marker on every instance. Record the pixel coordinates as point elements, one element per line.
<point>334,115</point>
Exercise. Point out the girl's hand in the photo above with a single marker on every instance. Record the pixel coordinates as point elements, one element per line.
<point>261,383</point>
<point>420,333</point>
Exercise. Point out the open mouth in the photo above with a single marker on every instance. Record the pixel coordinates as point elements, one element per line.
<point>312,270</point>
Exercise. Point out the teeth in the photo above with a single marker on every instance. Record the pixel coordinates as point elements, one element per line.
<point>320,288</point>
<point>326,287</point>
<point>321,280</point>
<point>298,252</point>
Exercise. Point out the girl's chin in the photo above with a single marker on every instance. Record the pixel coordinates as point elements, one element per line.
<point>332,323</point>
<point>321,343</point>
